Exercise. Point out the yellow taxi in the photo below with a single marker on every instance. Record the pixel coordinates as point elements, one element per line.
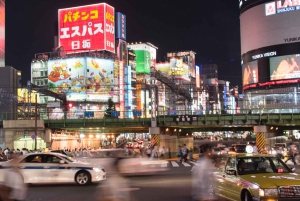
<point>254,177</point>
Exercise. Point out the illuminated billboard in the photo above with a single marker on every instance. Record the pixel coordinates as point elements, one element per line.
<point>285,67</point>
<point>2,33</point>
<point>87,28</point>
<point>82,78</point>
<point>145,56</point>
<point>176,68</point>
<point>250,73</point>
<point>188,58</point>
<point>143,62</point>
<point>275,23</point>
<point>197,76</point>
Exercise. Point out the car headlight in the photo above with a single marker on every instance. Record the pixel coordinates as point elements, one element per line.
<point>268,192</point>
<point>96,169</point>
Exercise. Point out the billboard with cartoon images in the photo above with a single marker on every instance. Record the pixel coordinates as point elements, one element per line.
<point>82,78</point>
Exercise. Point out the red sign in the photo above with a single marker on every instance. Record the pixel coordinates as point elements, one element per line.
<point>86,28</point>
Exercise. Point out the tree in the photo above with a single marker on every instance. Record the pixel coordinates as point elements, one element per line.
<point>110,108</point>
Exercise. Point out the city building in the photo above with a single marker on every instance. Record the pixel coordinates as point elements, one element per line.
<point>2,33</point>
<point>270,51</point>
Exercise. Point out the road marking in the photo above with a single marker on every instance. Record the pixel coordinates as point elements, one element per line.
<point>164,165</point>
<point>174,164</point>
<point>186,164</point>
<point>193,162</point>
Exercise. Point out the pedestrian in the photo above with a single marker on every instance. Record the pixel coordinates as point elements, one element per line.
<point>201,174</point>
<point>13,188</point>
<point>292,153</point>
<point>154,153</point>
<point>162,152</point>
<point>179,153</point>
<point>191,154</point>
<point>200,151</point>
<point>184,151</point>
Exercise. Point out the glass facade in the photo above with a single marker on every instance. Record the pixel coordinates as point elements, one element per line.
<point>275,100</point>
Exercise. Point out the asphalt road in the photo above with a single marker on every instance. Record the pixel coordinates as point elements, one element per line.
<point>174,184</point>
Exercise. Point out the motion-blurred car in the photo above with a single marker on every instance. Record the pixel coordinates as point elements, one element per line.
<point>245,177</point>
<point>127,165</point>
<point>53,168</point>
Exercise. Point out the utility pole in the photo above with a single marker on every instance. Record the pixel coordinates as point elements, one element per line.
<point>35,124</point>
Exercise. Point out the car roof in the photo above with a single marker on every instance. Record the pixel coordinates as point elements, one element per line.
<point>246,155</point>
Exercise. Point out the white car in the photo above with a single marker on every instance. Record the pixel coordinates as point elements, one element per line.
<point>127,165</point>
<point>53,168</point>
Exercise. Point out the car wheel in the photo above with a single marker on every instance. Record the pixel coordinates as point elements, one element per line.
<point>83,178</point>
<point>247,196</point>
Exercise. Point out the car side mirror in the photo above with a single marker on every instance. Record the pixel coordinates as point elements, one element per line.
<point>62,162</point>
<point>231,172</point>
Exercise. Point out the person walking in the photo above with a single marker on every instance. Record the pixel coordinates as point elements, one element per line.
<point>184,153</point>
<point>179,153</point>
<point>201,174</point>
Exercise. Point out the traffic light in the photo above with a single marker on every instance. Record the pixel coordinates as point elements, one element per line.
<point>70,105</point>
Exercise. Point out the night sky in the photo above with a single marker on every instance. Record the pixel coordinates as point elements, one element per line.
<point>208,27</point>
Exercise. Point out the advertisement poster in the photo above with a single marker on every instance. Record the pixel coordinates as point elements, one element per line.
<point>89,27</point>
<point>176,67</point>
<point>250,73</point>
<point>83,78</point>
<point>67,75</point>
<point>99,79</point>
<point>285,67</point>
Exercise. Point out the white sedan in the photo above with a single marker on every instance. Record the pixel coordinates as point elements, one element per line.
<point>54,168</point>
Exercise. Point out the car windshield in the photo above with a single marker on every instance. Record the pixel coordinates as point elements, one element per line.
<point>67,158</point>
<point>256,165</point>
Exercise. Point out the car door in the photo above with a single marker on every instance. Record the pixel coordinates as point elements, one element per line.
<point>58,172</point>
<point>230,180</point>
<point>33,169</point>
<point>218,177</point>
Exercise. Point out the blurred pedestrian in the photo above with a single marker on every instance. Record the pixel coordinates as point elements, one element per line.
<point>13,188</point>
<point>116,188</point>
<point>179,153</point>
<point>201,173</point>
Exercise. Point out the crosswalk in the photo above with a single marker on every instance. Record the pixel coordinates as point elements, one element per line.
<point>175,164</point>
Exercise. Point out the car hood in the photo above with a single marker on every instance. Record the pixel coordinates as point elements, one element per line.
<point>272,180</point>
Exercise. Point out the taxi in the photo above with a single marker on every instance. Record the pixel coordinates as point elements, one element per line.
<point>254,177</point>
<point>53,168</point>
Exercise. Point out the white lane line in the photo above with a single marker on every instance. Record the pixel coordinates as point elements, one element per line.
<point>186,164</point>
<point>193,162</point>
<point>174,164</point>
<point>164,164</point>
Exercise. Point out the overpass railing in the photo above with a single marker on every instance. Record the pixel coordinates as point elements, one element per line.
<point>140,114</point>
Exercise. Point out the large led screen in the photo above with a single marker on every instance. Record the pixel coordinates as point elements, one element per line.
<point>82,78</point>
<point>84,28</point>
<point>285,67</point>
<point>268,24</point>
<point>250,73</point>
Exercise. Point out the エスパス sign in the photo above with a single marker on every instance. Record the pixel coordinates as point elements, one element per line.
<point>87,28</point>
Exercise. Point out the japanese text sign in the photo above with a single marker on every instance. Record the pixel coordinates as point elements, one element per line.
<point>86,28</point>
<point>120,26</point>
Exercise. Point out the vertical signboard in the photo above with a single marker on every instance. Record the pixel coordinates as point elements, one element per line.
<point>129,92</point>
<point>120,26</point>
<point>121,87</point>
<point>109,28</point>
<point>143,62</point>
<point>197,77</point>
<point>2,33</point>
<point>87,28</point>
